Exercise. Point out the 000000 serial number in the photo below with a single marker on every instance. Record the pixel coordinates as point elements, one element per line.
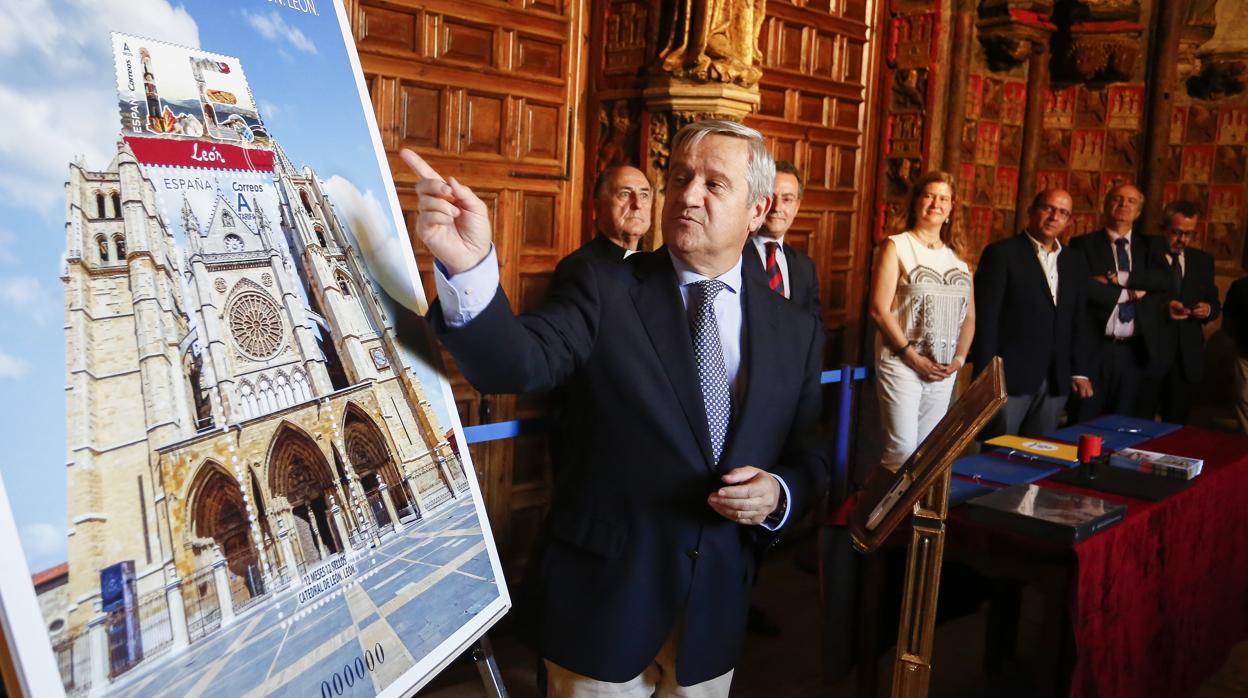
<point>353,671</point>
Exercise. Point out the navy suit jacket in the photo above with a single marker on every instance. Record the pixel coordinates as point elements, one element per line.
<point>1016,318</point>
<point>1183,341</point>
<point>1148,273</point>
<point>803,280</point>
<point>600,247</point>
<point>633,547</point>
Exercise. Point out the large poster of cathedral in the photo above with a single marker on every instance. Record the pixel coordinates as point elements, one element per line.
<point>226,472</point>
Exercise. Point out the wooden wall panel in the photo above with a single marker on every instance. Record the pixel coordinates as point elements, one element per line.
<point>818,109</point>
<point>489,92</point>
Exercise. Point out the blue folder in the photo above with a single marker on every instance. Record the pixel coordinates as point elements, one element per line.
<point>962,490</point>
<point>1110,440</point>
<point>997,469</point>
<point>1131,425</point>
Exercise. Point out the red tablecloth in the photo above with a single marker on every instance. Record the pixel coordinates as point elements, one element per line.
<point>1162,596</point>
<point>1156,601</point>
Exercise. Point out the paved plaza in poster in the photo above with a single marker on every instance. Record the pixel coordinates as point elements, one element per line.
<point>409,594</point>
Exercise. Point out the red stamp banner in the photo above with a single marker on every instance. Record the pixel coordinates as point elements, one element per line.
<point>197,153</point>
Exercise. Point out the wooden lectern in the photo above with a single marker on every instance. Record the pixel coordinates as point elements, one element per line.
<point>919,490</point>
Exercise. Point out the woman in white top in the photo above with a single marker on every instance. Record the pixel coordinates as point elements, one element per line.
<point>922,303</point>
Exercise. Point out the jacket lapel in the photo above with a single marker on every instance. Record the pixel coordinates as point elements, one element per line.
<point>797,275</point>
<point>1032,261</point>
<point>1066,278</point>
<point>662,313</point>
<point>1103,253</point>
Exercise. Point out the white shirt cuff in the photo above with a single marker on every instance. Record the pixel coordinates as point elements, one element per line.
<point>466,294</point>
<point>785,500</point>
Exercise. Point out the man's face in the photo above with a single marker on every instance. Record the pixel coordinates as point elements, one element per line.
<point>1123,205</point>
<point>707,213</point>
<point>1047,219</point>
<point>1179,232</point>
<point>622,208</point>
<point>784,206</point>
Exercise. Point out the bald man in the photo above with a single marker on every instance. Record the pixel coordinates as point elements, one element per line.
<point>1127,292</point>
<point>622,205</point>
<point>1029,300</point>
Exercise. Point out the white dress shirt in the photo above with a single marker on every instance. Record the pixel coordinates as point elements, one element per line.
<point>1048,263</point>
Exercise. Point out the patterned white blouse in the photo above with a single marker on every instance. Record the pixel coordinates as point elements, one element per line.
<point>933,293</point>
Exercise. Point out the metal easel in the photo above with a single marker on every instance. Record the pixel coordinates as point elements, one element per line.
<point>483,656</point>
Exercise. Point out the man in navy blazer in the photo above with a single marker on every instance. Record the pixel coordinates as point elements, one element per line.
<point>686,462</point>
<point>786,269</point>
<point>1127,290</point>
<point>1029,310</point>
<point>1195,303</point>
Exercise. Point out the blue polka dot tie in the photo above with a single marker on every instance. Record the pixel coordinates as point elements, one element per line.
<point>709,355</point>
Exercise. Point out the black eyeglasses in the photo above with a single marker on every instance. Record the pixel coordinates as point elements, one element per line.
<point>1058,212</point>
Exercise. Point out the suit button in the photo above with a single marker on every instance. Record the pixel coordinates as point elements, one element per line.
<point>693,554</point>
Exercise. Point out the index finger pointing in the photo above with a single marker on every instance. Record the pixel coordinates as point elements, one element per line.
<point>418,165</point>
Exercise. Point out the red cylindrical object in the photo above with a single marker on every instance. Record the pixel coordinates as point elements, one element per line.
<point>1089,447</point>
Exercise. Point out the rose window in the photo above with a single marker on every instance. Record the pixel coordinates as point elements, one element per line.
<point>233,243</point>
<point>256,324</point>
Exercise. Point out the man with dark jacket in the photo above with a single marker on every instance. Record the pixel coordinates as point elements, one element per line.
<point>1195,303</point>
<point>1029,310</point>
<point>1235,323</point>
<point>1126,292</point>
<point>786,269</point>
<point>697,391</point>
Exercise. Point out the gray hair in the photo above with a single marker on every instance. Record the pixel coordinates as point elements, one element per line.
<point>760,170</point>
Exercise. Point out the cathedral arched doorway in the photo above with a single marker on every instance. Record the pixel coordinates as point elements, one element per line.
<point>371,459</point>
<point>218,513</point>
<point>299,472</point>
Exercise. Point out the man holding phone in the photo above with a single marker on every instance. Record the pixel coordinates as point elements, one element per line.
<point>1194,303</point>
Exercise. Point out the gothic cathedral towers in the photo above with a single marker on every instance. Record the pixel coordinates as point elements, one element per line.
<point>339,291</point>
<point>125,389</point>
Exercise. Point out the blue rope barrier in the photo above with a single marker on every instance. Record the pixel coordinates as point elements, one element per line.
<point>519,427</point>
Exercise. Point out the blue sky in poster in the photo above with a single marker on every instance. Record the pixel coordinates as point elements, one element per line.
<point>57,85</point>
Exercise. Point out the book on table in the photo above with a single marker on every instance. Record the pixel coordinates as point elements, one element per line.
<point>1042,512</point>
<point>1164,464</point>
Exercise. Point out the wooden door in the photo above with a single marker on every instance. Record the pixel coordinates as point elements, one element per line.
<point>488,90</point>
<point>818,109</point>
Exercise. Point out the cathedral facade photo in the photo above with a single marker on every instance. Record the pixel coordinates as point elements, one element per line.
<point>244,431</point>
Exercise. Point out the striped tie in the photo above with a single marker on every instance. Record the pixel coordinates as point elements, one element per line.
<point>775,280</point>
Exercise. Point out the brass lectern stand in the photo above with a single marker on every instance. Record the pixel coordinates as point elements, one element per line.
<point>919,490</point>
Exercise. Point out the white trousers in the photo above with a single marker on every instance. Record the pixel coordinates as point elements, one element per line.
<point>910,407</point>
<point>658,680</point>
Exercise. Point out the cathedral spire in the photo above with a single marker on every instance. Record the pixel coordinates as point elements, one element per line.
<point>262,221</point>
<point>190,224</point>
